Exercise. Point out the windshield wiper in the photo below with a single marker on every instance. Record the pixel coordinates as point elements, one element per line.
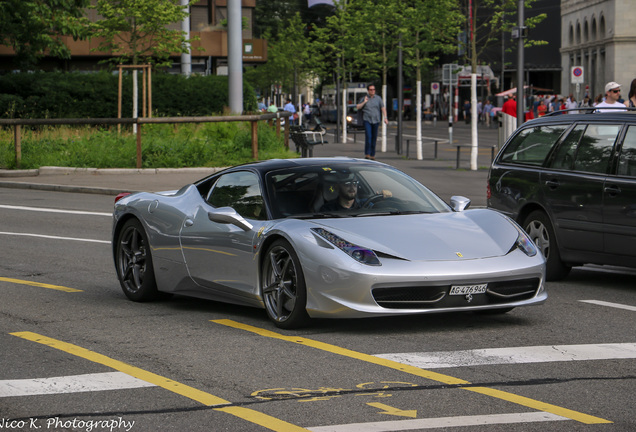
<point>391,213</point>
<point>318,216</point>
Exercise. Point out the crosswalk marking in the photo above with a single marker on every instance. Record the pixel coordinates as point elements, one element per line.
<point>442,422</point>
<point>71,384</point>
<point>608,304</point>
<point>531,354</point>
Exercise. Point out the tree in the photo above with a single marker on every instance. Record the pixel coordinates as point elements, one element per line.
<point>428,26</point>
<point>34,28</point>
<point>137,31</point>
<point>482,33</point>
<point>288,61</point>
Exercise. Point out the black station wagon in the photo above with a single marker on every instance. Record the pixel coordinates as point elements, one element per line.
<point>570,181</point>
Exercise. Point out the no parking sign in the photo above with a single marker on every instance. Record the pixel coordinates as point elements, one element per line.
<point>435,88</point>
<point>576,76</point>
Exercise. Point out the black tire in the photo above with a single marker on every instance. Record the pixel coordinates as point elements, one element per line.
<point>539,229</point>
<point>283,286</point>
<point>133,261</point>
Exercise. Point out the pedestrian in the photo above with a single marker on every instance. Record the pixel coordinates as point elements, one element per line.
<point>598,99</point>
<point>467,111</point>
<point>631,99</point>
<point>510,107</point>
<point>486,112</point>
<point>612,95</point>
<point>373,112</point>
<point>307,112</point>
<point>289,107</point>
<point>272,107</point>
<point>541,108</point>
<point>571,105</point>
<point>480,109</point>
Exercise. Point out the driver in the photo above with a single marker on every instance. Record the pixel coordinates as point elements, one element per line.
<point>347,195</point>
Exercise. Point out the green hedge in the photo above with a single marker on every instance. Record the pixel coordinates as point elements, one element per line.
<point>94,95</point>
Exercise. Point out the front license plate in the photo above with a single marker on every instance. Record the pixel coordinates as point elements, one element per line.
<point>468,289</point>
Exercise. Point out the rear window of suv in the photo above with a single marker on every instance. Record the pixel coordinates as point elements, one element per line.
<point>532,145</point>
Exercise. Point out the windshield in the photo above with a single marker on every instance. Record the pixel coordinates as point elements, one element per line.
<point>347,190</point>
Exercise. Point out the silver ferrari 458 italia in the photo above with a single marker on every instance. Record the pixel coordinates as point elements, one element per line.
<point>323,237</point>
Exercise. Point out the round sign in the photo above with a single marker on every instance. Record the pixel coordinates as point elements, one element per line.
<point>577,71</point>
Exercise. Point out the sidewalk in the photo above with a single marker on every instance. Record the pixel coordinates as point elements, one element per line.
<point>440,175</point>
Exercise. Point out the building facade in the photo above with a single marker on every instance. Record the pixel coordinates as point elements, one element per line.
<point>208,54</point>
<point>598,39</point>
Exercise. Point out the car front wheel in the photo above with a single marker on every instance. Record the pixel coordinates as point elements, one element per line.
<point>134,263</point>
<point>283,286</point>
<point>539,229</point>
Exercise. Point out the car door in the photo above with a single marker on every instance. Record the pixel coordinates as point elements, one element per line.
<point>220,255</point>
<point>619,213</point>
<point>573,187</point>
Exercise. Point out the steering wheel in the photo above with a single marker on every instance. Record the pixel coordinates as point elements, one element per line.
<point>372,199</point>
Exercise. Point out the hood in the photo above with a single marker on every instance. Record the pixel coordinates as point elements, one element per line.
<point>465,235</point>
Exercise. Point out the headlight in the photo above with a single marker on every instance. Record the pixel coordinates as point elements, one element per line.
<point>349,119</point>
<point>358,253</point>
<point>524,243</point>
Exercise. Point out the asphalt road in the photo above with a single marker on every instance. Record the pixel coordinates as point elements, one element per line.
<point>75,353</point>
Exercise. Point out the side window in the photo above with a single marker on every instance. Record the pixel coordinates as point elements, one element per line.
<point>587,148</point>
<point>241,191</point>
<point>532,145</point>
<point>627,159</point>
<point>565,154</point>
<point>595,148</point>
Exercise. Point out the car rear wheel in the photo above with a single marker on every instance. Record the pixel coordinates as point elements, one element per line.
<point>539,229</point>
<point>284,290</point>
<point>134,263</point>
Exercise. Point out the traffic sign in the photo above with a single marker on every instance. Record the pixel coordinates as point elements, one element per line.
<point>435,88</point>
<point>577,75</point>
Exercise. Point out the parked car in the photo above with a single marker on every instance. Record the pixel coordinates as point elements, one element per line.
<point>354,118</point>
<point>570,181</point>
<point>275,235</point>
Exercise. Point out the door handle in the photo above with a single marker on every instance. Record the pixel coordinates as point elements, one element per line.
<point>552,184</point>
<point>612,190</point>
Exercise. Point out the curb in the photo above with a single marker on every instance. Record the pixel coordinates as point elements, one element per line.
<point>63,188</point>
<point>50,170</point>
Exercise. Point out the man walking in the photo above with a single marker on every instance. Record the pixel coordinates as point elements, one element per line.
<point>373,111</point>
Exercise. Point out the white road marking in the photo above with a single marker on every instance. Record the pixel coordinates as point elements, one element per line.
<point>71,384</point>
<point>55,237</point>
<point>442,422</point>
<point>518,355</point>
<point>51,210</point>
<point>608,304</point>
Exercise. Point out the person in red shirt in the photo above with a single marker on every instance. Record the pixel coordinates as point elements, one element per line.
<point>510,107</point>
<point>541,109</point>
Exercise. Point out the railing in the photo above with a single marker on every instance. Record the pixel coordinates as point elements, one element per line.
<point>254,119</point>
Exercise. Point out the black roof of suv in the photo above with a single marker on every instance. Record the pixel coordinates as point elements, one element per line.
<point>570,181</point>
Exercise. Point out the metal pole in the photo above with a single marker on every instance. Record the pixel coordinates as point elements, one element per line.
<point>186,57</point>
<point>520,69</point>
<point>400,97</point>
<point>235,56</point>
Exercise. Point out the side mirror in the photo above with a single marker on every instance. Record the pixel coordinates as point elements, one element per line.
<point>459,203</point>
<point>227,215</point>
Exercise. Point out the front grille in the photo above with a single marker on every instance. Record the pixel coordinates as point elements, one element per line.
<point>433,297</point>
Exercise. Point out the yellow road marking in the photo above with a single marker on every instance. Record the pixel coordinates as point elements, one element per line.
<point>166,383</point>
<point>41,285</point>
<point>446,379</point>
